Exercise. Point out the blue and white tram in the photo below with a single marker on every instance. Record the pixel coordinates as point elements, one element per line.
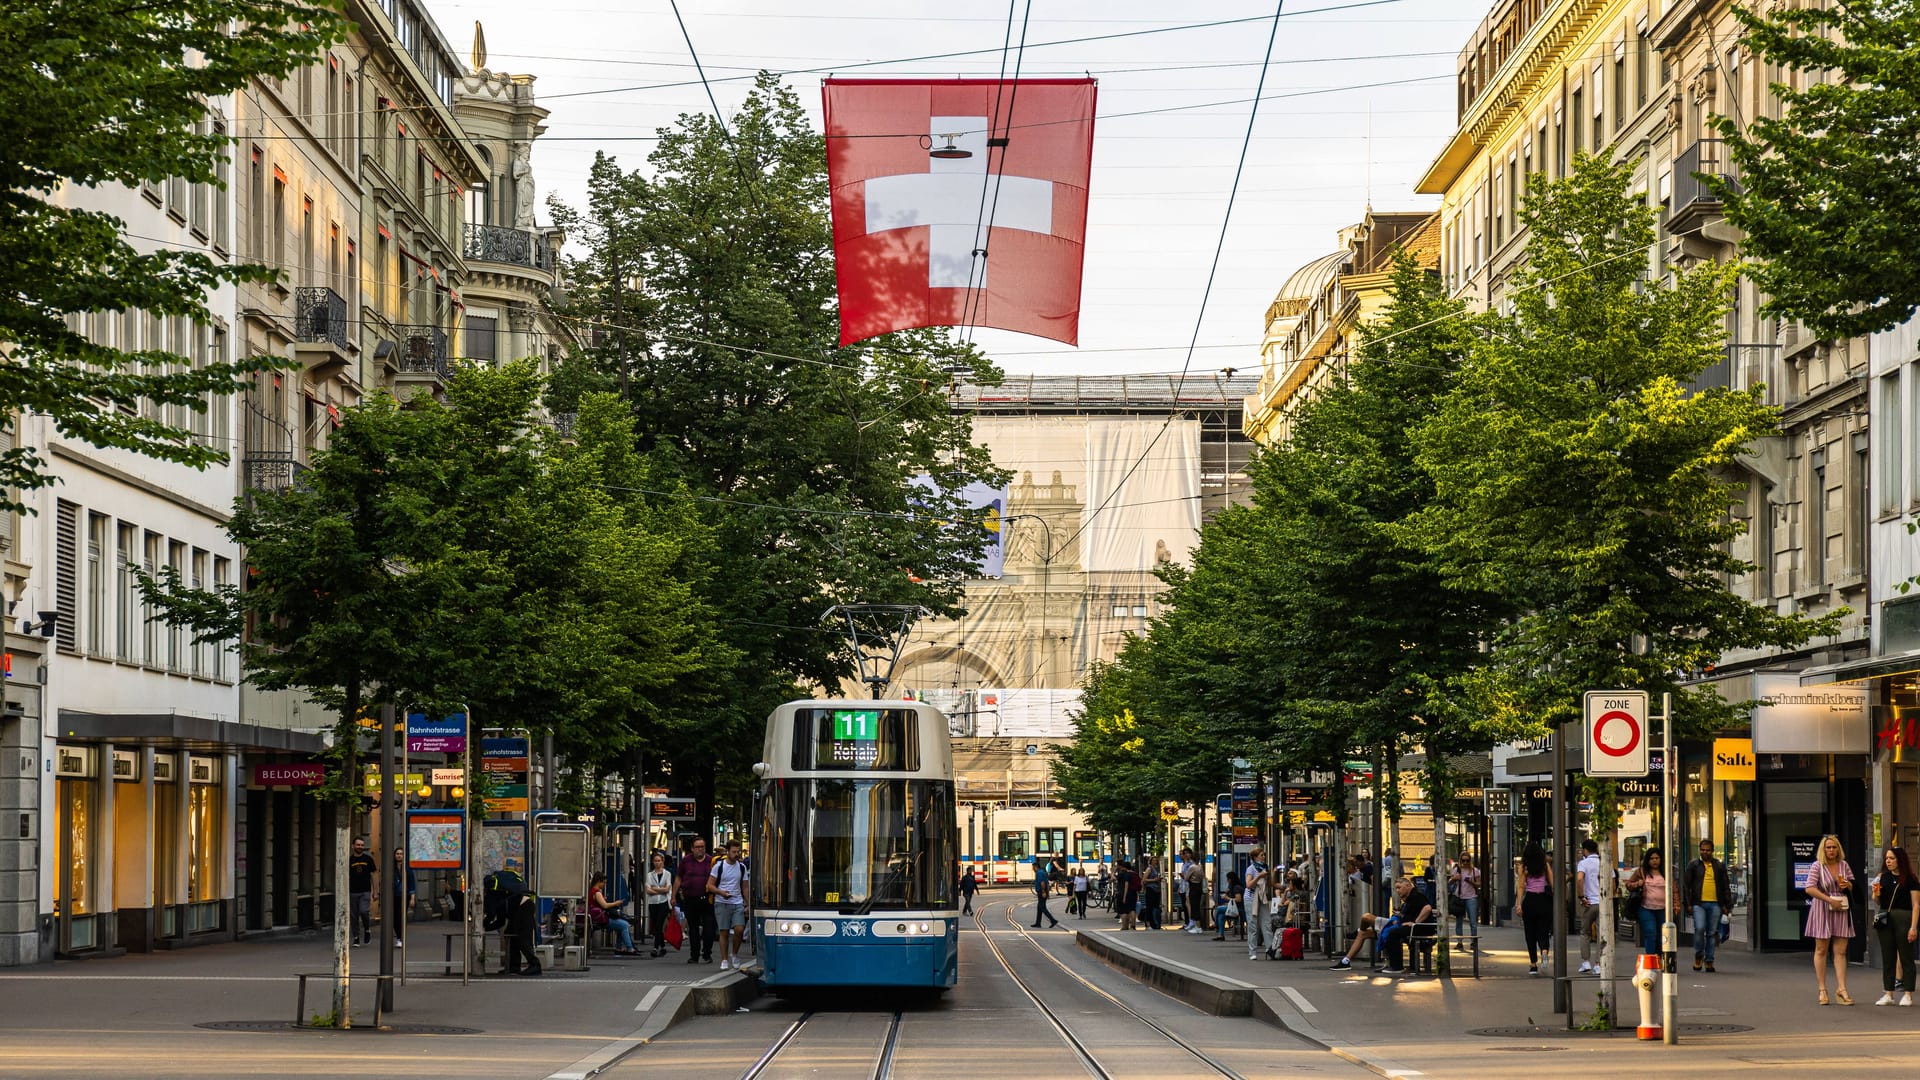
<point>855,847</point>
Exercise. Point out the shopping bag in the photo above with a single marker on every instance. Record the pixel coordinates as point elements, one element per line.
<point>672,931</point>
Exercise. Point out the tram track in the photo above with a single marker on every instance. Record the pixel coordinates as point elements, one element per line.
<point>1087,1059</point>
<point>767,1067</point>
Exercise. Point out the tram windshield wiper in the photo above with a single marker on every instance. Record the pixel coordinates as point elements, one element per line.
<point>894,873</point>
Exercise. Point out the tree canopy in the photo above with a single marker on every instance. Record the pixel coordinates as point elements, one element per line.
<point>95,93</point>
<point>1828,193</point>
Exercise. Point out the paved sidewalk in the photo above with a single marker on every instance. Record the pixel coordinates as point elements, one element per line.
<point>1757,1011</point>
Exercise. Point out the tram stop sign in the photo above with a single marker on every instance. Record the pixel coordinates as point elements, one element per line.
<point>1170,811</point>
<point>1616,732</point>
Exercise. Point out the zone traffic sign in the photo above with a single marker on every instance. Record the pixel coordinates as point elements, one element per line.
<point>1616,732</point>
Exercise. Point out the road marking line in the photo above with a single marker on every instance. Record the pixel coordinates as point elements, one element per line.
<point>653,995</point>
<point>1299,1000</point>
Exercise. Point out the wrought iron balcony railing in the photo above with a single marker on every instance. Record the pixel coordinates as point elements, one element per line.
<point>500,244</point>
<point>1705,157</point>
<point>320,314</point>
<point>423,350</point>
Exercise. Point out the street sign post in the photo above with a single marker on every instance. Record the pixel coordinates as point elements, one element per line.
<point>1169,810</point>
<point>1616,729</point>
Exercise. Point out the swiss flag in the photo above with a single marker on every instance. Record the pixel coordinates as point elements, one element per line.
<point>909,227</point>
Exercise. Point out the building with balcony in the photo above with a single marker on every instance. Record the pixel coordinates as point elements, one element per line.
<point>513,262</point>
<point>1311,324</point>
<point>1637,80</point>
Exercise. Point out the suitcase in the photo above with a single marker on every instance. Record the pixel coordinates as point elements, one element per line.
<point>1293,944</point>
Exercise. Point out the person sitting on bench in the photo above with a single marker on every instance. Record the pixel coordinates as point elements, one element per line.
<point>1416,917</point>
<point>1360,938</point>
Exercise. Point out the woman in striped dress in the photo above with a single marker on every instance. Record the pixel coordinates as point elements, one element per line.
<point>1830,916</point>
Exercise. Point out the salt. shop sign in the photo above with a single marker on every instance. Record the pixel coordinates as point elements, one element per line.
<point>298,774</point>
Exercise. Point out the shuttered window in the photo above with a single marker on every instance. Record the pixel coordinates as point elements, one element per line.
<point>66,573</point>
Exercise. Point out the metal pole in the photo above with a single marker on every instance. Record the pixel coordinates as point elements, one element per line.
<point>1562,991</point>
<point>1669,935</point>
<point>468,865</point>
<point>389,840</point>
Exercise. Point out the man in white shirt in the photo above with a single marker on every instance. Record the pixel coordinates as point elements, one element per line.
<point>1587,877</point>
<point>728,884</point>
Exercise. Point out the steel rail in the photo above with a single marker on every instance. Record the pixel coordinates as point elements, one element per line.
<point>1167,1033</point>
<point>1087,1060</point>
<point>882,1067</point>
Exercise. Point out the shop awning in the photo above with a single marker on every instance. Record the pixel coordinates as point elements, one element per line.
<point>1872,667</point>
<point>183,728</point>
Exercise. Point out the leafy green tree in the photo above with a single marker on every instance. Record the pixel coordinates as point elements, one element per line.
<point>709,291</point>
<point>94,93</point>
<point>1579,476</point>
<point>1828,195</point>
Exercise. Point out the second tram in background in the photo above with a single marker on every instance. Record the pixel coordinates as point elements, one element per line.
<point>855,847</point>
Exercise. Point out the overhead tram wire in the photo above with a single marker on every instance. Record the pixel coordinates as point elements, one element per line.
<point>976,300</point>
<point>733,148</point>
<point>832,68</point>
<point>1226,220</point>
<point>977,261</point>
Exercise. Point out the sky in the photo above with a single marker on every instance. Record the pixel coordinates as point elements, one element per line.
<point>1358,102</point>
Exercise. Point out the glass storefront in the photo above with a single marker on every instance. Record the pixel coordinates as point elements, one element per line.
<point>166,846</point>
<point>73,896</point>
<point>206,847</point>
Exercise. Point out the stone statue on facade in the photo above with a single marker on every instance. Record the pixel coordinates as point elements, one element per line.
<point>523,185</point>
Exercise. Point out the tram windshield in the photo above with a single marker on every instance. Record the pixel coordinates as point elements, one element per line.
<point>856,845</point>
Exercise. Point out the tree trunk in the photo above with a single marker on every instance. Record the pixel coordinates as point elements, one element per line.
<point>349,729</point>
<point>1609,932</point>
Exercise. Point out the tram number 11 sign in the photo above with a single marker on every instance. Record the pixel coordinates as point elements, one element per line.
<point>1616,732</point>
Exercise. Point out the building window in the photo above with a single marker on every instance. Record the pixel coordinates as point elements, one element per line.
<point>201,662</point>
<point>97,584</point>
<point>1889,426</point>
<point>66,574</point>
<point>1642,64</point>
<point>1619,86</point>
<point>279,221</point>
<point>1817,521</point>
<point>222,578</point>
<point>1578,123</point>
<point>256,202</point>
<point>150,638</point>
<point>127,594</point>
<point>177,635</point>
<point>482,338</point>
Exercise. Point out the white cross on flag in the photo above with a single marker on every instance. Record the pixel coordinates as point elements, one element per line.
<point>911,242</point>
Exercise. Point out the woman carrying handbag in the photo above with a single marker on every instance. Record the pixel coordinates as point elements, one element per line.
<point>1830,916</point>
<point>1896,922</point>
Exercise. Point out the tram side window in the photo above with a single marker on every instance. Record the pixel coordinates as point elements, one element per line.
<point>1049,841</point>
<point>1013,845</point>
<point>1086,846</point>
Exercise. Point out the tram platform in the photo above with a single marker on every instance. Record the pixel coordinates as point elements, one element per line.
<point>1758,1006</point>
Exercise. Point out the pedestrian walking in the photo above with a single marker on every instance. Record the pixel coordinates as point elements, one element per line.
<point>1466,895</point>
<point>1649,881</point>
<point>1150,883</point>
<point>727,888</point>
<point>1830,916</point>
<point>361,867</point>
<point>1896,921</point>
<point>1707,889</point>
<point>1080,886</point>
<point>1536,904</point>
<point>1587,881</point>
<point>690,885</point>
<point>968,886</point>
<point>1042,888</point>
<point>401,896</point>
<point>1126,894</point>
<point>659,891</point>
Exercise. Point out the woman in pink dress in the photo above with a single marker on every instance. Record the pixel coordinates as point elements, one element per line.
<point>1829,916</point>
